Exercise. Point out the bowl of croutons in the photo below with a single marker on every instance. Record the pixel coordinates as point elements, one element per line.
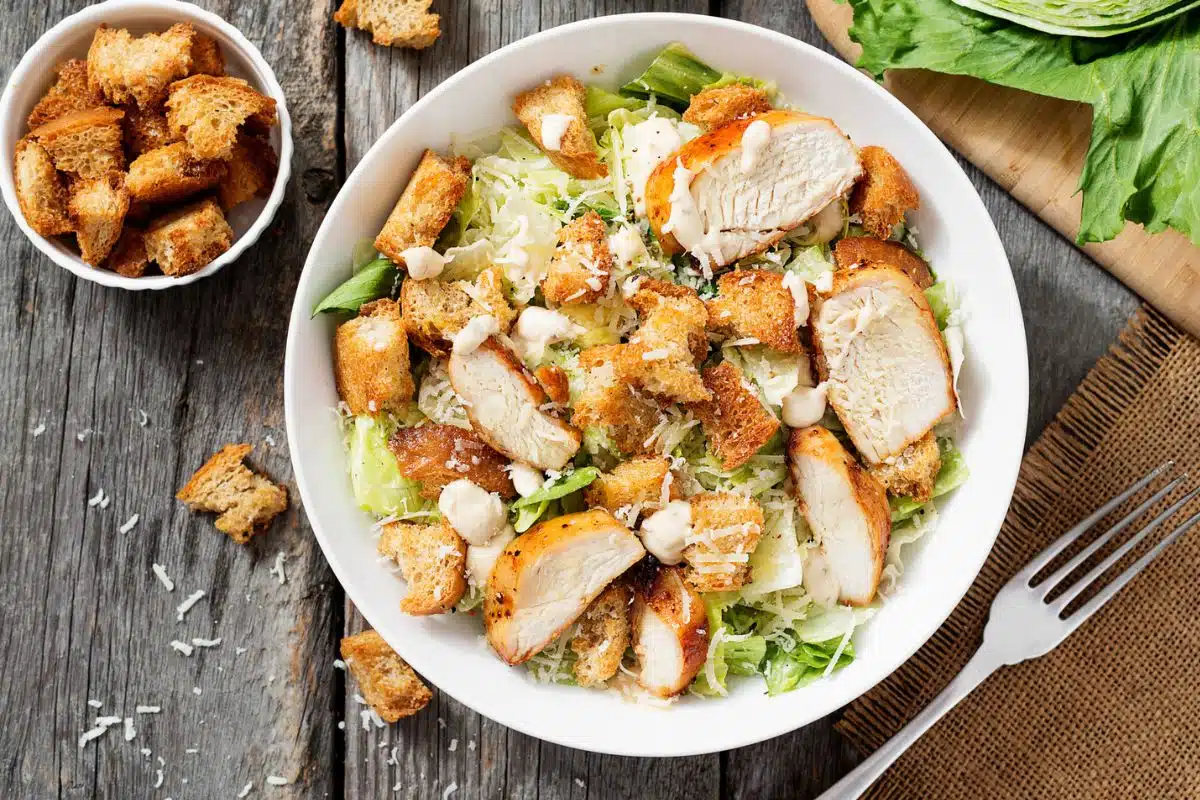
<point>150,143</point>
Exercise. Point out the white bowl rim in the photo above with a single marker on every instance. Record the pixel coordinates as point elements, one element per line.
<point>34,60</point>
<point>764,729</point>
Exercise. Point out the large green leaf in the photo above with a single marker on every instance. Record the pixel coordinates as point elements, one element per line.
<point>1144,161</point>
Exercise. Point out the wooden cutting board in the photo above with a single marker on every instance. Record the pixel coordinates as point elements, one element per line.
<point>1034,147</point>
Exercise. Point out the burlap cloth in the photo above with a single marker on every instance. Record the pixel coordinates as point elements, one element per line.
<point>1114,711</point>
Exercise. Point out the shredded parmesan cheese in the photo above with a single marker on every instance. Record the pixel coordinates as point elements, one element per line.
<point>129,524</point>
<point>160,572</point>
<point>187,604</point>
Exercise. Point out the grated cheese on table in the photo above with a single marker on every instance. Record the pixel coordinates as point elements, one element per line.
<point>277,570</point>
<point>160,572</point>
<point>206,642</point>
<point>129,524</point>
<point>451,789</point>
<point>245,790</point>
<point>181,647</point>
<point>130,731</point>
<point>148,709</point>
<point>39,430</point>
<point>96,499</point>
<point>187,604</point>
<point>95,703</point>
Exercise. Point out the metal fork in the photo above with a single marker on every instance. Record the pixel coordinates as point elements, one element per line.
<point>1025,622</point>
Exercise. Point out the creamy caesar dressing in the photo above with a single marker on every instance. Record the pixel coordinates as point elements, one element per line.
<point>538,327</point>
<point>647,144</point>
<point>627,246</point>
<point>805,405</point>
<point>685,222</point>
<point>664,534</point>
<point>481,559</point>
<point>554,127</point>
<point>424,262</point>
<point>475,333</point>
<point>525,478</point>
<point>754,139</point>
<point>476,514</point>
<point>799,290</point>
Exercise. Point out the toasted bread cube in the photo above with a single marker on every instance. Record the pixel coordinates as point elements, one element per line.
<point>433,561</point>
<point>580,269</point>
<point>754,304</point>
<point>609,403</point>
<point>735,421</point>
<point>425,206</point>
<point>912,473</point>
<point>884,194</point>
<point>206,56</point>
<point>603,635</point>
<point>371,360</point>
<point>98,207</point>
<point>129,257</point>
<point>207,112</point>
<point>172,173</point>
<point>434,310</point>
<point>644,483</point>
<point>726,527</point>
<point>386,682</point>
<point>662,353</point>
<point>392,23</point>
<point>714,107</point>
<point>864,251</point>
<point>146,129</point>
<point>40,190</point>
<point>246,501</point>
<point>138,70</point>
<point>187,239</point>
<point>69,93</point>
<point>86,143</point>
<point>562,96</point>
<point>556,383</point>
<point>251,172</point>
<point>438,455</point>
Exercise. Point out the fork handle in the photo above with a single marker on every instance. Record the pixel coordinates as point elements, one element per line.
<point>981,665</point>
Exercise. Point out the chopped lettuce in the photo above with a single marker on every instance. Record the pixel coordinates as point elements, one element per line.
<point>601,102</point>
<point>673,77</point>
<point>375,476</point>
<point>787,670</point>
<point>371,282</point>
<point>942,302</point>
<point>528,510</point>
<point>953,473</point>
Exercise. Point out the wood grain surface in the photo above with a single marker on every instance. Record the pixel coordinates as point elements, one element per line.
<point>82,617</point>
<point>1034,147</point>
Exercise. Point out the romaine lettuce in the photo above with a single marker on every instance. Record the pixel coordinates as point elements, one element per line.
<point>374,474</point>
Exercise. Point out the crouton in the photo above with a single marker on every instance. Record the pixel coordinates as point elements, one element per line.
<point>171,173</point>
<point>370,360</point>
<point>562,96</point>
<point>437,455</point>
<point>69,93</point>
<point>734,420</point>
<point>386,682</point>
<point>129,70</point>
<point>129,258</point>
<point>207,112</point>
<point>206,56</point>
<point>433,561</point>
<point>425,206</point>
<point>86,143</point>
<point>40,190</point>
<point>662,353</point>
<point>245,501</point>
<point>187,239</point>
<point>913,472</point>
<point>754,303</point>
<point>613,405</point>
<point>603,635</point>
<point>714,107</point>
<point>251,172</point>
<point>146,129</point>
<point>434,310</point>
<point>554,380</point>
<point>97,208</point>
<point>865,251</point>
<point>726,527</point>
<point>643,483</point>
<point>581,266</point>
<point>392,23</point>
<point>884,194</point>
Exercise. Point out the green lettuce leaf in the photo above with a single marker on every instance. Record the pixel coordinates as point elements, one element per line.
<point>787,670</point>
<point>528,510</point>
<point>1143,164</point>
<point>673,77</point>
<point>952,474</point>
<point>1097,18</point>
<point>374,474</point>
<point>371,282</point>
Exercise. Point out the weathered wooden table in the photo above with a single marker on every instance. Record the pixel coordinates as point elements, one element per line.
<point>82,368</point>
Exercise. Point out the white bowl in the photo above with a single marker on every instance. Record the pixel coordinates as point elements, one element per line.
<point>955,232</point>
<point>71,38</point>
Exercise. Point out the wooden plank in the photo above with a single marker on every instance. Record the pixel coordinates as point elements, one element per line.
<point>83,617</point>
<point>1040,164</point>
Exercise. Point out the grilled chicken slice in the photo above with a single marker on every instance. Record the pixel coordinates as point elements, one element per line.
<point>670,632</point>
<point>504,404</point>
<point>751,181</point>
<point>548,576</point>
<point>879,348</point>
<point>846,508</point>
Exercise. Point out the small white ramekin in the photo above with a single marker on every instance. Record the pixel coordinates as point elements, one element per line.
<point>71,38</point>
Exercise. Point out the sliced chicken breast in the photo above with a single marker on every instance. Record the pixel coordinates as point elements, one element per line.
<point>670,632</point>
<point>748,183</point>
<point>846,509</point>
<point>548,576</point>
<point>504,403</point>
<point>879,348</point>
